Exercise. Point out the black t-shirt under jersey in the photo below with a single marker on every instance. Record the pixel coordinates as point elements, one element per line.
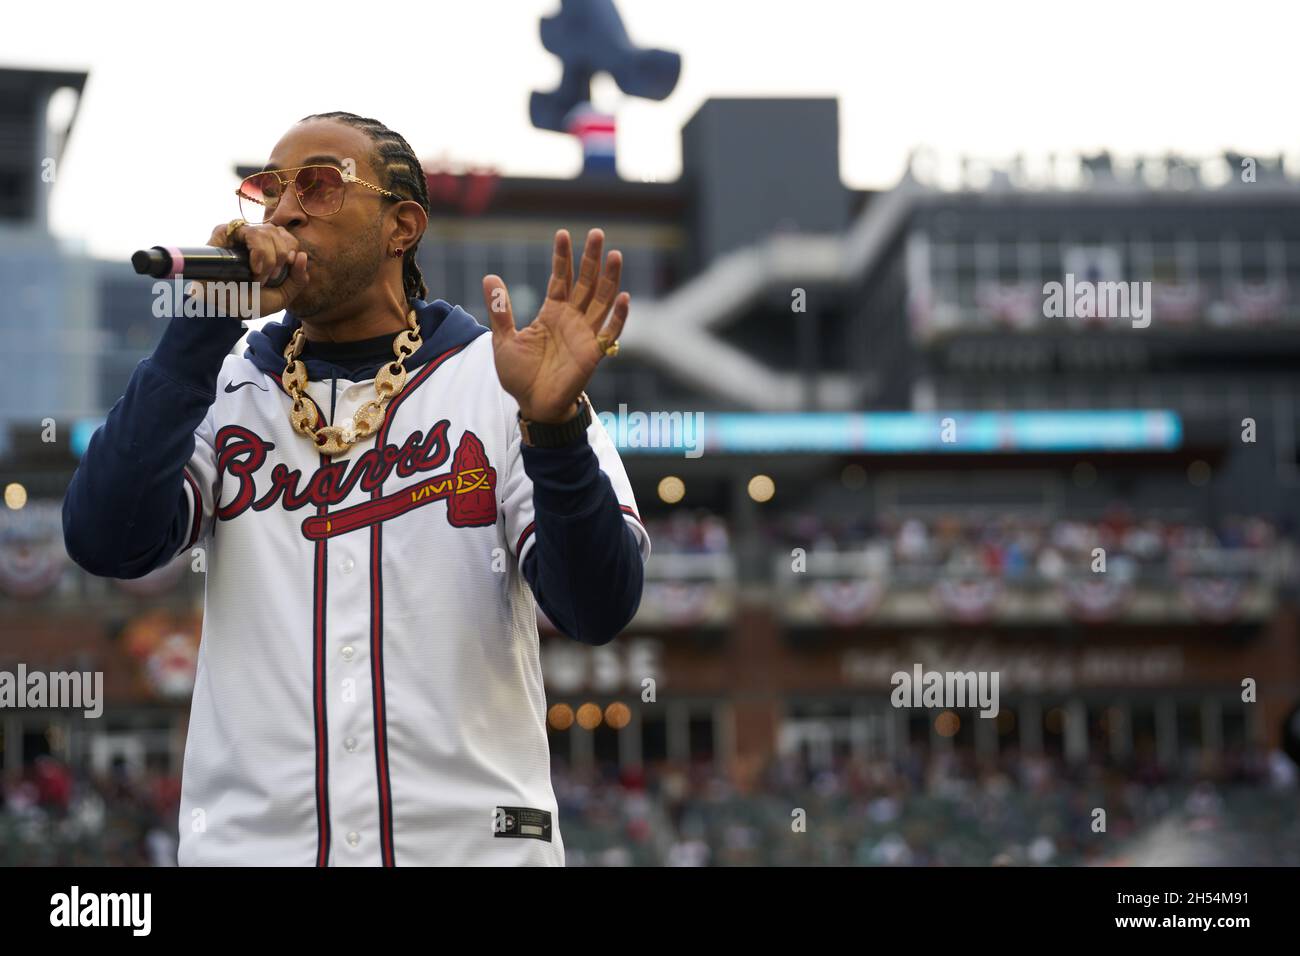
<point>352,356</point>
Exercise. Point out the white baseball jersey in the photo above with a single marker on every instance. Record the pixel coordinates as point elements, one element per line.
<point>369,688</point>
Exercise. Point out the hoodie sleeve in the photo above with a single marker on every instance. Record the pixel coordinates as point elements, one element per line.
<point>572,522</point>
<point>143,490</point>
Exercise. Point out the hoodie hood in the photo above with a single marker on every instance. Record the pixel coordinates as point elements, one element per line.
<point>442,326</point>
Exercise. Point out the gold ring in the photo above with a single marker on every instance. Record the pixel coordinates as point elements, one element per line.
<point>234,226</point>
<point>606,346</point>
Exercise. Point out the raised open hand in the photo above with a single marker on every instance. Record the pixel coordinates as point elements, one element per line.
<point>547,364</point>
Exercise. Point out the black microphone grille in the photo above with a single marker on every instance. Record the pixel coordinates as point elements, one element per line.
<point>150,262</point>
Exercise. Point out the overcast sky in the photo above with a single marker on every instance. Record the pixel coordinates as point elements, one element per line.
<point>175,100</point>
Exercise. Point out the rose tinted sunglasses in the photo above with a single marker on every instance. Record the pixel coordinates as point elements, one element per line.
<point>319,190</point>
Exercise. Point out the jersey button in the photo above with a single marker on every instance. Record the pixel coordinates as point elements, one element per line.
<point>354,838</point>
<point>350,744</point>
<point>346,565</point>
<point>347,652</point>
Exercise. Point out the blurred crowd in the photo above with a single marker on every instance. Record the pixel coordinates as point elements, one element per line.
<point>1007,546</point>
<point>55,816</point>
<point>1015,548</point>
<point>1199,302</point>
<point>945,809</point>
<point>689,531</point>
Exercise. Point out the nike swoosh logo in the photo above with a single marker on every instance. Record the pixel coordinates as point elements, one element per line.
<point>231,387</point>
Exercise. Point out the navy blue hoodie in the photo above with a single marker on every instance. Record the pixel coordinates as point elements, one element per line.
<point>125,512</point>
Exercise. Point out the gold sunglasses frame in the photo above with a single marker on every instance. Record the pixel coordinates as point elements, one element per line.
<point>285,183</point>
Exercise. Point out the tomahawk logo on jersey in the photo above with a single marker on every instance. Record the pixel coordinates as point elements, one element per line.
<point>369,689</point>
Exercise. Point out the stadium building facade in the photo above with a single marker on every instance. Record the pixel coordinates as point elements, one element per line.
<point>905,461</point>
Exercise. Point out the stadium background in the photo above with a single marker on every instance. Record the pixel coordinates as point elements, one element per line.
<point>827,536</point>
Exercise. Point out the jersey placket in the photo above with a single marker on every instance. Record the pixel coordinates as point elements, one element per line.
<point>353,814</point>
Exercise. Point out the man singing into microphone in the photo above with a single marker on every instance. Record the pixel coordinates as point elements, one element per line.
<point>382,489</point>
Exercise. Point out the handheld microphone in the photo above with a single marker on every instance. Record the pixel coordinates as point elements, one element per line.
<point>200,262</point>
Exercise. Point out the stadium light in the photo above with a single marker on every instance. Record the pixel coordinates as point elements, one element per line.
<point>15,496</point>
<point>761,488</point>
<point>671,489</point>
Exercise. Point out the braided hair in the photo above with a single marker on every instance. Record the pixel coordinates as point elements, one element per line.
<point>400,172</point>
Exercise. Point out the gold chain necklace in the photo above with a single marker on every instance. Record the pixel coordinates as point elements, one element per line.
<point>365,421</point>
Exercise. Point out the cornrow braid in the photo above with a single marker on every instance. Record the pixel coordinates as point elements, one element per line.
<point>401,173</point>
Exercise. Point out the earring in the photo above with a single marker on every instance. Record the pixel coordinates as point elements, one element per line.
<point>397,253</point>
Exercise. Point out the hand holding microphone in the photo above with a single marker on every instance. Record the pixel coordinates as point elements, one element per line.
<point>267,254</point>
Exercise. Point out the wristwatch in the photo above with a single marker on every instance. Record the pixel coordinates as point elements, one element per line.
<point>543,435</point>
